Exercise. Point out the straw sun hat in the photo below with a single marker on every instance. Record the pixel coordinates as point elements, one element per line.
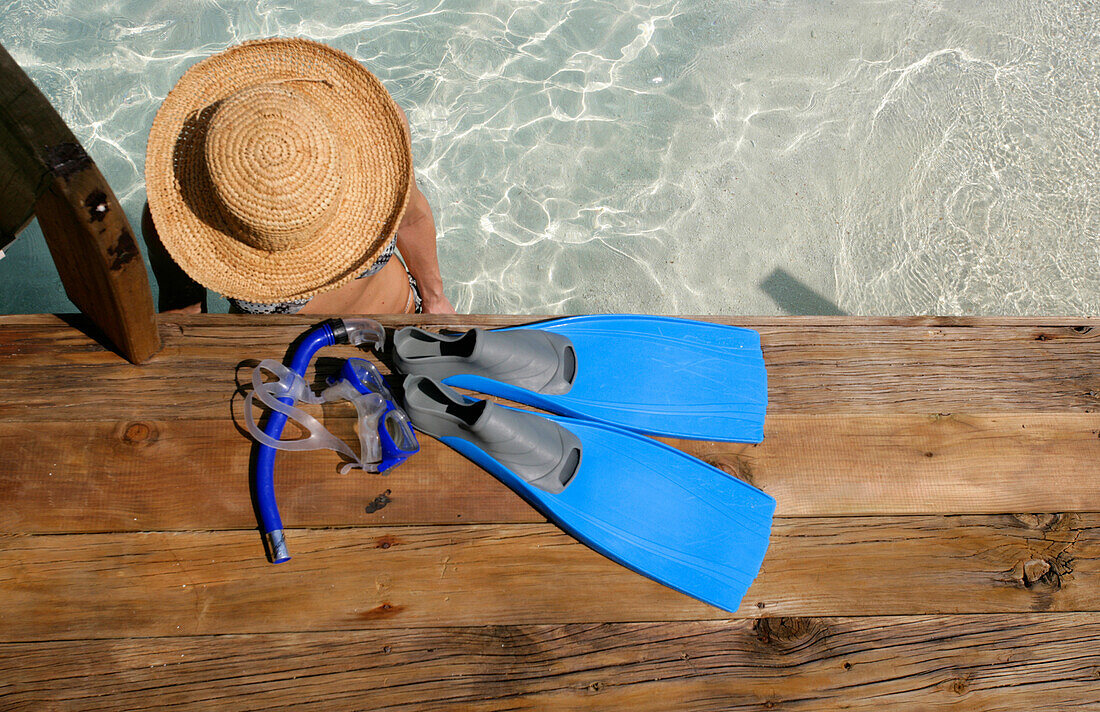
<point>277,169</point>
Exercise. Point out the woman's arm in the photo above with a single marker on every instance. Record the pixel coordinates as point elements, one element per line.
<point>417,244</point>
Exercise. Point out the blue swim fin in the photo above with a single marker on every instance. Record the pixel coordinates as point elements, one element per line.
<point>655,375</point>
<point>647,506</point>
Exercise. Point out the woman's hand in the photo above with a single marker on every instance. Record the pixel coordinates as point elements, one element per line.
<point>436,304</point>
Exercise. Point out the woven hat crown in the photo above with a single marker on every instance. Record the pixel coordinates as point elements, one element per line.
<point>275,165</point>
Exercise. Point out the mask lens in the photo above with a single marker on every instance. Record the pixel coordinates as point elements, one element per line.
<point>400,431</point>
<point>365,377</point>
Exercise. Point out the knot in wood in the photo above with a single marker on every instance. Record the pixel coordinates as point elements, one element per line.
<point>1041,522</point>
<point>385,541</point>
<point>385,610</point>
<point>1034,570</point>
<point>786,632</point>
<point>139,434</point>
<point>731,464</point>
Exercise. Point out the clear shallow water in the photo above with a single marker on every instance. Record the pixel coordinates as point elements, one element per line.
<point>672,157</point>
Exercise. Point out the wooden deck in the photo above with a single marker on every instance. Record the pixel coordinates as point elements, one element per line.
<point>936,546</point>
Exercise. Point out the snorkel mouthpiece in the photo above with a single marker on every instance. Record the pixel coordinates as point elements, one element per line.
<point>357,332</point>
<point>386,438</point>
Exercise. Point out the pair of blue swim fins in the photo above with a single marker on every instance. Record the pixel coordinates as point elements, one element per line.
<point>588,468</point>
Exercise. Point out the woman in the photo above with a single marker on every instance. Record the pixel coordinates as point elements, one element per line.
<point>279,173</point>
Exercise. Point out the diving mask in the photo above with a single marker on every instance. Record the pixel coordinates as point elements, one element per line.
<point>386,437</point>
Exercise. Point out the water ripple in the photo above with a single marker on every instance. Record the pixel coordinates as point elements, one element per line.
<point>667,156</point>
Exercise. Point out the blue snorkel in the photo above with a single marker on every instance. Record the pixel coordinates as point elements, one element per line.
<point>393,440</point>
<point>263,485</point>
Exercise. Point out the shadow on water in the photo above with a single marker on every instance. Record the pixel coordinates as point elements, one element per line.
<point>795,298</point>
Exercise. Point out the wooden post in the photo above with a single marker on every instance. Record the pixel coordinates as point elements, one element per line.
<point>45,171</point>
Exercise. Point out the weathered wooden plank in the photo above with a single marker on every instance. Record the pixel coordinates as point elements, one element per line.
<point>1034,662</point>
<point>812,369</point>
<point>189,583</point>
<point>91,241</point>
<point>183,474</point>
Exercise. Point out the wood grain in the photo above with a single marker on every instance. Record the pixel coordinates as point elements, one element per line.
<point>894,446</point>
<point>1035,662</point>
<point>819,369</point>
<point>188,583</point>
<point>193,474</point>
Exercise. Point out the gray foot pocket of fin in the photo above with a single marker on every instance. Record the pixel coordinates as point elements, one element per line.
<point>527,358</point>
<point>537,450</point>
